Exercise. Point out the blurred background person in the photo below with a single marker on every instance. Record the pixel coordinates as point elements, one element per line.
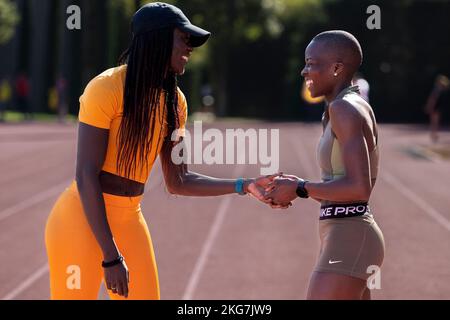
<point>264,33</point>
<point>61,90</point>
<point>251,64</point>
<point>437,101</point>
<point>364,87</point>
<point>22,93</point>
<point>5,97</point>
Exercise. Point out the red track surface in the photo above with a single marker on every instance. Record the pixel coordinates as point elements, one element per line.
<point>234,247</point>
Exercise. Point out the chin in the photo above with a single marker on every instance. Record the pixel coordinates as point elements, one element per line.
<point>180,72</point>
<point>314,94</point>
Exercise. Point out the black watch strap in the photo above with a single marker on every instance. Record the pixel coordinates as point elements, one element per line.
<point>112,263</point>
<point>301,190</point>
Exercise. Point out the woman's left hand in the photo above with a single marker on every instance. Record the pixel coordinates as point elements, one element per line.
<point>283,190</point>
<point>259,187</point>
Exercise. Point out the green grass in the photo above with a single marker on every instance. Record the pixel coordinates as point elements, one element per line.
<point>14,117</point>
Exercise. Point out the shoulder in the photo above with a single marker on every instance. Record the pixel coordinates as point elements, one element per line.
<point>181,96</point>
<point>343,109</point>
<point>108,85</point>
<point>345,118</point>
<point>102,98</point>
<point>182,102</point>
<point>109,79</point>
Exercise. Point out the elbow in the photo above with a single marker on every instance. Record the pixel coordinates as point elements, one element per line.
<point>174,186</point>
<point>175,179</point>
<point>172,189</point>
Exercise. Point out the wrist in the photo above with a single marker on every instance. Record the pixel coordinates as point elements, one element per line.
<point>112,263</point>
<point>301,190</point>
<point>298,180</point>
<point>111,255</point>
<point>239,186</point>
<point>247,183</point>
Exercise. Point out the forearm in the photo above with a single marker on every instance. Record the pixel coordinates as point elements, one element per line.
<point>95,211</point>
<point>198,185</point>
<point>338,190</point>
<point>180,181</point>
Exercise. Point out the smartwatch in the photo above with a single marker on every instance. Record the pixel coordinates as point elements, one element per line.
<point>239,186</point>
<point>301,190</point>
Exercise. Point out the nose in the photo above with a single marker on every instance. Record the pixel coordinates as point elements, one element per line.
<point>304,73</point>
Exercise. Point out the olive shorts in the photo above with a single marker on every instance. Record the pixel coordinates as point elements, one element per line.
<point>352,246</point>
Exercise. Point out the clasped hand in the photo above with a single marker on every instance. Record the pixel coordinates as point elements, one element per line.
<point>278,190</point>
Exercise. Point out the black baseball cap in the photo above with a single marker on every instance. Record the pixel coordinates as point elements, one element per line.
<point>158,15</point>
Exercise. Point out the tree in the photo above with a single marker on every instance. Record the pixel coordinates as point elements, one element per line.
<point>9,18</point>
<point>237,25</point>
<point>40,53</point>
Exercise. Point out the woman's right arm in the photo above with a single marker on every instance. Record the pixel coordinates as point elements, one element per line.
<point>92,145</point>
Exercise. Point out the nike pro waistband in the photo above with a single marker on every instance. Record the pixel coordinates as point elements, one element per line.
<point>333,211</point>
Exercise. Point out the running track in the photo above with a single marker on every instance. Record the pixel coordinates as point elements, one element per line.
<point>234,247</point>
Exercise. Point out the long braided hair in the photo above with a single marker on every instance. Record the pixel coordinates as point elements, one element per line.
<point>148,78</point>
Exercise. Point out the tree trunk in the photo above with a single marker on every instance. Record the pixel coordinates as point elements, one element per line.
<point>66,58</point>
<point>222,88</point>
<point>222,53</point>
<point>94,38</point>
<point>39,54</point>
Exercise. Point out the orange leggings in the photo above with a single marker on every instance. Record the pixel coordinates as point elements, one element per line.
<point>75,257</point>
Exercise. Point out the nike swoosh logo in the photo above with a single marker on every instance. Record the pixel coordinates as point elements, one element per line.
<point>333,262</point>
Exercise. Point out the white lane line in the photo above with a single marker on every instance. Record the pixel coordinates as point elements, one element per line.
<point>415,198</point>
<point>28,282</point>
<point>40,197</point>
<point>208,244</point>
<point>306,165</point>
<point>403,189</point>
<point>12,210</point>
<point>19,207</point>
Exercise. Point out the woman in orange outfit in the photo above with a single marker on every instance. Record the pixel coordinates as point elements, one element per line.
<point>96,229</point>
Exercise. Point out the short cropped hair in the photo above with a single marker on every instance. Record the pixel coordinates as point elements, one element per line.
<point>345,45</point>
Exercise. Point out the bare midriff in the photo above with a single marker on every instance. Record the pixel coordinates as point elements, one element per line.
<point>120,186</point>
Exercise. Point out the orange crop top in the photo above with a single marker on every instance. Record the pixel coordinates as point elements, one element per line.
<point>101,106</point>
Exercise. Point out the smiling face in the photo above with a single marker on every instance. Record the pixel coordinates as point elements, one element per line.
<point>319,70</point>
<point>181,51</point>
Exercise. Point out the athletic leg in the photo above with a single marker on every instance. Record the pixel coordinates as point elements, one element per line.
<point>333,286</point>
<point>73,253</point>
<point>134,242</point>
<point>435,118</point>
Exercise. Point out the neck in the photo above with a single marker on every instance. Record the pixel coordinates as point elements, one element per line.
<point>337,89</point>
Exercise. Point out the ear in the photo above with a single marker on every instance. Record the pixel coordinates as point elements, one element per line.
<point>338,68</point>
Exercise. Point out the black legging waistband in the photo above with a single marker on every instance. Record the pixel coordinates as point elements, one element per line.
<point>343,210</point>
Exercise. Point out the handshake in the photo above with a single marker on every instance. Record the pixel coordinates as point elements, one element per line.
<point>277,190</point>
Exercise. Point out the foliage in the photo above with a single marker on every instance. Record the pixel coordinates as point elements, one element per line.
<point>9,18</point>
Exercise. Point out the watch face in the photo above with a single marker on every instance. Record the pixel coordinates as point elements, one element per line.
<point>301,191</point>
